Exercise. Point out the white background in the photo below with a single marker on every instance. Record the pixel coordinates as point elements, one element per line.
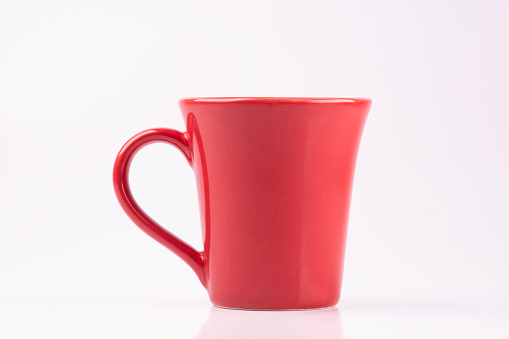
<point>427,252</point>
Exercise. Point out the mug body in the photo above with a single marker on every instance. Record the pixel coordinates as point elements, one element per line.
<point>274,179</point>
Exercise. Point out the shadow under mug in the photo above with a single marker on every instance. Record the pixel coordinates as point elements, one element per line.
<point>228,324</point>
<point>274,179</point>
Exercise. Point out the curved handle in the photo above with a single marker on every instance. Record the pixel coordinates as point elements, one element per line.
<point>123,161</point>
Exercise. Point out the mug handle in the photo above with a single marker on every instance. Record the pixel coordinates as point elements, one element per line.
<point>192,257</point>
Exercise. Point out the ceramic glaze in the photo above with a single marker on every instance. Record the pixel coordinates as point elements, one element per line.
<point>274,179</point>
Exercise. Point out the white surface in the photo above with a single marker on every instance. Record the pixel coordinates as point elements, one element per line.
<point>427,251</point>
<point>188,318</point>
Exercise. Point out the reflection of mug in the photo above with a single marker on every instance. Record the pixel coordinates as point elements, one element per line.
<point>274,179</point>
<point>227,324</point>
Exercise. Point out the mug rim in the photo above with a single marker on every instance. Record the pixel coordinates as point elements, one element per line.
<point>212,100</point>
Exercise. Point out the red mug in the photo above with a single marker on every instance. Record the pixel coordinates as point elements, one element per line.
<point>274,179</point>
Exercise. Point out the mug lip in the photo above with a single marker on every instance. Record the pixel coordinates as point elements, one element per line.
<point>273,100</point>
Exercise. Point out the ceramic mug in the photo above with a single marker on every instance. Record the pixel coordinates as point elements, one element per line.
<point>274,179</point>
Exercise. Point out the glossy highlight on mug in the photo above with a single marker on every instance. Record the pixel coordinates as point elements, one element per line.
<point>274,179</point>
<point>272,99</point>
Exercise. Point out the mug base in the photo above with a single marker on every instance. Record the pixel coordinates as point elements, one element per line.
<point>276,309</point>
